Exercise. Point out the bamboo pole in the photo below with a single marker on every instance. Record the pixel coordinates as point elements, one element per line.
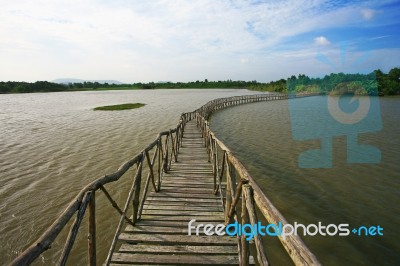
<point>74,230</point>
<point>236,198</point>
<point>245,253</point>
<point>151,163</point>
<point>228,196</point>
<point>165,158</point>
<point>146,186</point>
<point>221,174</point>
<point>114,204</point>
<point>159,170</point>
<point>92,230</point>
<point>262,258</point>
<point>137,183</point>
<point>131,192</point>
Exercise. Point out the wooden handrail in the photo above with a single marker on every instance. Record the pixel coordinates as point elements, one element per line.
<point>294,246</point>
<point>44,242</point>
<point>166,150</point>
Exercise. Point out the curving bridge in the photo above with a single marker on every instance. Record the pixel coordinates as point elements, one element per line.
<point>184,179</point>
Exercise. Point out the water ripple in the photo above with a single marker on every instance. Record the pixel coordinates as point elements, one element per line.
<point>358,194</point>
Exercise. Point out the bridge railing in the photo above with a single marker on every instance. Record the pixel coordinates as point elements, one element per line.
<point>241,196</point>
<point>156,158</point>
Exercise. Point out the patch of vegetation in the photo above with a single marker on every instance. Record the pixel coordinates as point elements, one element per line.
<point>119,107</point>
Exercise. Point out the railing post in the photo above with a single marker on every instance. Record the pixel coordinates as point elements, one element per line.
<point>230,184</point>
<point>74,229</point>
<point>244,243</point>
<point>230,189</point>
<point>137,181</point>
<point>248,195</point>
<point>215,160</point>
<point>165,159</point>
<point>92,230</point>
<point>228,200</point>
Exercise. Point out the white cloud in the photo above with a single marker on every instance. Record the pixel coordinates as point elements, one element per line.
<point>147,40</point>
<point>368,14</point>
<point>321,40</point>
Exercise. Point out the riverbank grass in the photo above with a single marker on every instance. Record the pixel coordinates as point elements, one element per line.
<point>119,107</point>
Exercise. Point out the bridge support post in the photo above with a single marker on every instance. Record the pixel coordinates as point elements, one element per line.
<point>136,185</point>
<point>244,256</point>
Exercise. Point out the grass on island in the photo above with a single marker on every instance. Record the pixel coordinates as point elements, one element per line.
<point>118,107</point>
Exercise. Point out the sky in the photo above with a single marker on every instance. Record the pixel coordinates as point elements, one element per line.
<point>189,40</point>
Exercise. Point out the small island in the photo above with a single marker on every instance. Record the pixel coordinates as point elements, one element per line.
<point>119,107</point>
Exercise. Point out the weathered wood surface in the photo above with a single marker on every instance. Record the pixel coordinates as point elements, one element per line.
<point>187,192</point>
<point>177,259</point>
<point>198,185</point>
<point>223,169</point>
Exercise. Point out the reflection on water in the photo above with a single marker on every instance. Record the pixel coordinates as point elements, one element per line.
<point>357,194</point>
<point>53,144</point>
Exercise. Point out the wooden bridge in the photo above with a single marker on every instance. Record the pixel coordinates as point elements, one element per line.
<point>185,175</point>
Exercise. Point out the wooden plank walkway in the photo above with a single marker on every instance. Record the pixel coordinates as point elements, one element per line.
<point>161,237</point>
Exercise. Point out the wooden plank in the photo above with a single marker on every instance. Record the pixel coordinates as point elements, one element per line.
<point>178,239</point>
<point>186,175</point>
<point>187,186</point>
<point>196,163</point>
<point>193,170</point>
<point>139,259</point>
<point>188,182</point>
<point>196,179</point>
<point>184,204</point>
<point>214,208</point>
<point>164,230</point>
<point>183,195</point>
<point>206,190</point>
<point>177,212</point>
<point>190,165</point>
<point>178,249</point>
<point>193,159</point>
<point>184,218</point>
<point>184,199</point>
<point>155,223</point>
<point>203,180</point>
<point>157,230</point>
<point>170,184</point>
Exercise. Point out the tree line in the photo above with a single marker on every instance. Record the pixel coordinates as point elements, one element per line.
<point>374,83</point>
<point>26,87</point>
<point>45,86</point>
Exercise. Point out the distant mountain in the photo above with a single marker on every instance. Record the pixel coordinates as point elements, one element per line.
<point>71,80</point>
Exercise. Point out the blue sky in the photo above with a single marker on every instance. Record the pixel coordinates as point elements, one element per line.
<point>188,40</point>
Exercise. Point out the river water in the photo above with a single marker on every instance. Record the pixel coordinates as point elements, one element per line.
<point>52,144</point>
<point>260,134</point>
